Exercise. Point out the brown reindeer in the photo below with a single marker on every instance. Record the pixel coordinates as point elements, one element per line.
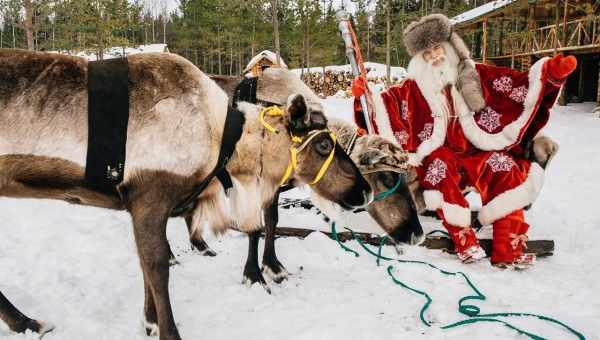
<point>176,119</point>
<point>384,166</point>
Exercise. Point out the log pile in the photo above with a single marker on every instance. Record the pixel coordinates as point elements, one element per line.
<point>329,83</point>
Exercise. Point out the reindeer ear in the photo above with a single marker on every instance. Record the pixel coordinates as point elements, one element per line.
<point>297,109</point>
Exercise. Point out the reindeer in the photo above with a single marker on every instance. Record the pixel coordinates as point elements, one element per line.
<point>176,118</point>
<point>384,166</point>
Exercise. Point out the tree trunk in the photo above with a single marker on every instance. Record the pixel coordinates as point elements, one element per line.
<point>29,23</point>
<point>274,5</point>
<point>165,30</point>
<point>219,49</point>
<point>388,39</point>
<point>230,57</point>
<point>13,35</point>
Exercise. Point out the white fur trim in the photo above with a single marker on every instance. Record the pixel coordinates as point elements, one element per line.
<point>438,136</point>
<point>414,160</point>
<point>513,131</point>
<point>453,213</point>
<point>513,199</point>
<point>382,118</point>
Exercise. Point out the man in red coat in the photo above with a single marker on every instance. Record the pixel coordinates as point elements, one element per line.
<point>465,126</point>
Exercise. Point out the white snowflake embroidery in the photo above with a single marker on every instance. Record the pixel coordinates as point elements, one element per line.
<point>500,162</point>
<point>404,110</point>
<point>519,94</point>
<point>426,133</point>
<point>401,137</point>
<point>503,84</point>
<point>489,119</point>
<point>436,171</point>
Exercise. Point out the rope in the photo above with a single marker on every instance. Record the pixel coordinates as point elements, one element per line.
<point>382,195</point>
<point>471,311</point>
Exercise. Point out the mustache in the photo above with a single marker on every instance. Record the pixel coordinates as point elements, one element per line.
<point>439,61</point>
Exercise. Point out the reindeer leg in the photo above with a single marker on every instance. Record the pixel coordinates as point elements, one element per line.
<point>271,265</point>
<point>150,316</point>
<point>149,225</point>
<point>19,322</point>
<point>252,272</point>
<point>197,241</point>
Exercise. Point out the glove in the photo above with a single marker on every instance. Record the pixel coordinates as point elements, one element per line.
<point>359,87</point>
<point>560,67</point>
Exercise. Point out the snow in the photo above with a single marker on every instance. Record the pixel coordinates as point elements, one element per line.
<point>375,70</point>
<point>118,52</point>
<point>77,268</point>
<point>479,11</point>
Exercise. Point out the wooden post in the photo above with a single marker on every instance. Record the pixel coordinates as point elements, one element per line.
<point>556,27</point>
<point>564,31</point>
<point>274,5</point>
<point>485,38</point>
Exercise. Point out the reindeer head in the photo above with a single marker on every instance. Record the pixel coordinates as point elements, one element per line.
<point>385,167</point>
<point>320,161</point>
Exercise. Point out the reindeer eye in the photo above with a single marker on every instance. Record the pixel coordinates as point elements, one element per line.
<point>389,179</point>
<point>324,147</point>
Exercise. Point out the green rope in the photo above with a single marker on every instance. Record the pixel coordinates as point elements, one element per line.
<point>472,311</point>
<point>382,195</point>
<point>335,236</point>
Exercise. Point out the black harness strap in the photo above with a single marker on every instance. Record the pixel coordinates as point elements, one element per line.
<point>232,132</point>
<point>246,91</point>
<point>108,115</point>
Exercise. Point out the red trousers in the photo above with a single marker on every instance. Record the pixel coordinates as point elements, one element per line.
<point>503,184</point>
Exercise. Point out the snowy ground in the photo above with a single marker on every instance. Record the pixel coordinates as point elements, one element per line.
<point>77,267</point>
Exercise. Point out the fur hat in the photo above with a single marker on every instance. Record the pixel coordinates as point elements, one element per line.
<point>435,29</point>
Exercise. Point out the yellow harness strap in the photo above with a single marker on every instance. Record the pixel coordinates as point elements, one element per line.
<point>325,165</point>
<point>274,111</point>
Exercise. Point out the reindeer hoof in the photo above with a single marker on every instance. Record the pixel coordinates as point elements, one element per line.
<point>208,252</point>
<point>150,328</point>
<point>42,328</point>
<point>274,269</point>
<point>254,276</point>
<point>276,274</point>
<point>201,247</point>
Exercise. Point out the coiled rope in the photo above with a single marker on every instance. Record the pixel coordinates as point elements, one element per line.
<point>471,311</point>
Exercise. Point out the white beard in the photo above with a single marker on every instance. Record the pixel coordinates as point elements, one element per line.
<point>432,80</point>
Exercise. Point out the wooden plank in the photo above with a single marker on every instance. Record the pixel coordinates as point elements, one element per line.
<point>541,248</point>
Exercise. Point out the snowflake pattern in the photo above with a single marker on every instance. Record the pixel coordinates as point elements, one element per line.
<point>401,137</point>
<point>519,94</point>
<point>404,110</point>
<point>489,119</point>
<point>426,133</point>
<point>503,84</point>
<point>500,162</point>
<point>436,171</point>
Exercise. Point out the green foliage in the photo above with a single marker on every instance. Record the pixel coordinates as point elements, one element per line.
<point>219,36</point>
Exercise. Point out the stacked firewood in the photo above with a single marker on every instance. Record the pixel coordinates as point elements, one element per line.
<point>329,83</point>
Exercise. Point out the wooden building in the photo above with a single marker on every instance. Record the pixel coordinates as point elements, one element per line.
<point>517,33</point>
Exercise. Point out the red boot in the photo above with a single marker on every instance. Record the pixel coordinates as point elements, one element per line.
<point>465,242</point>
<point>510,237</point>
